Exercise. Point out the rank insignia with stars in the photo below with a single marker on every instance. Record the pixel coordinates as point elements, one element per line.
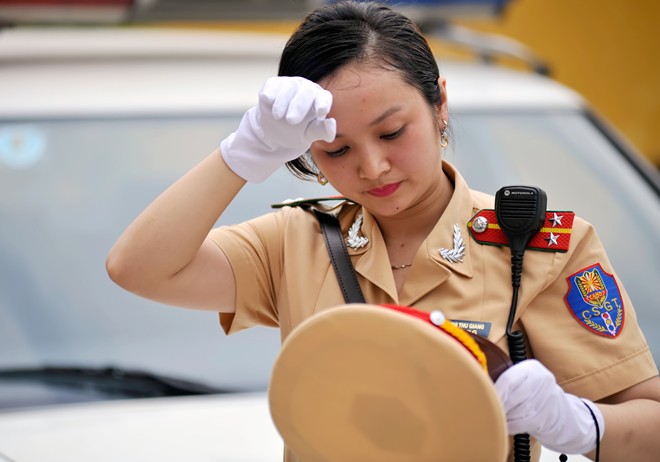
<point>554,236</point>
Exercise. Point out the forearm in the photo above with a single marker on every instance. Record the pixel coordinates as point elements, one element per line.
<point>632,431</point>
<point>167,235</point>
<point>162,254</point>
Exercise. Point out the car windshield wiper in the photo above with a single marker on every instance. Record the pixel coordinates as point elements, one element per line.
<point>110,381</point>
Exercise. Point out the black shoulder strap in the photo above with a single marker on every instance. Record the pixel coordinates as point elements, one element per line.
<point>341,262</point>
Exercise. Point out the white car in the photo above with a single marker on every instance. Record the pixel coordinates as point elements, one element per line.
<point>94,123</point>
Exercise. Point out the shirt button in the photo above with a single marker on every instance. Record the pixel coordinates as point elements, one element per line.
<point>480,224</point>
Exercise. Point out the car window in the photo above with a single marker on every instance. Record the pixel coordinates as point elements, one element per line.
<point>70,186</point>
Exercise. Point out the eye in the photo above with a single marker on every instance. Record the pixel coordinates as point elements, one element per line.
<point>393,135</point>
<point>338,152</point>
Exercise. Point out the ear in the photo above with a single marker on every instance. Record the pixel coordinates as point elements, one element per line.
<point>442,111</point>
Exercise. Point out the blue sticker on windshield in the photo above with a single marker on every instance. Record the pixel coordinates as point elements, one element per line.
<point>21,147</point>
<point>595,301</point>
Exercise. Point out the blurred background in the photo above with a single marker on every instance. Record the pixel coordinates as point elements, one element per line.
<point>607,50</point>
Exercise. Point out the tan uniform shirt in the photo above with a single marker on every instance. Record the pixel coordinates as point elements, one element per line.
<point>283,275</point>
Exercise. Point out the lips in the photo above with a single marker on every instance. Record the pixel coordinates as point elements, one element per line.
<point>385,191</point>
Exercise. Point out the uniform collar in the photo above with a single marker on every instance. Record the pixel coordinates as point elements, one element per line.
<point>429,268</point>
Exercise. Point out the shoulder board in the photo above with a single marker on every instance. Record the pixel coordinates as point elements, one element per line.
<point>300,202</point>
<point>554,236</point>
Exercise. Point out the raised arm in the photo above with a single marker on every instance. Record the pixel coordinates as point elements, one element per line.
<point>164,255</point>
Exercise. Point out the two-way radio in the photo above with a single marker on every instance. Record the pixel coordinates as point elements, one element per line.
<point>520,212</point>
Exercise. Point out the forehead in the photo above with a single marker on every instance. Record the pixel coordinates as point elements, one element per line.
<point>363,76</point>
<point>365,95</point>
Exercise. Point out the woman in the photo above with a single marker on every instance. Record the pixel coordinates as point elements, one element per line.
<point>359,103</point>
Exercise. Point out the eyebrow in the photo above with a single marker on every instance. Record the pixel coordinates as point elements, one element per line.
<point>380,118</point>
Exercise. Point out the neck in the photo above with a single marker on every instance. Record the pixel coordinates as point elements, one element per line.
<point>421,217</point>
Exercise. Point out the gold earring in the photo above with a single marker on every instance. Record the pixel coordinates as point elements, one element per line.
<point>321,179</point>
<point>444,138</point>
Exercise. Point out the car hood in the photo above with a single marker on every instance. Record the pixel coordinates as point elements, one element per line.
<point>235,427</point>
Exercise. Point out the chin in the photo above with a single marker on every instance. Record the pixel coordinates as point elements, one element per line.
<point>385,208</point>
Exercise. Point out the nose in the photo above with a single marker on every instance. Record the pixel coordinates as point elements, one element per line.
<point>373,164</point>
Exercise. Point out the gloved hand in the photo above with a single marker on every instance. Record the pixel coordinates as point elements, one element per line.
<point>289,117</point>
<point>536,405</point>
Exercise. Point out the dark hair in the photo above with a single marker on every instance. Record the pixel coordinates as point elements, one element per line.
<point>365,32</point>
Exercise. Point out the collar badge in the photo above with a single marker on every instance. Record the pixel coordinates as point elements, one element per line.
<point>354,239</point>
<point>456,254</point>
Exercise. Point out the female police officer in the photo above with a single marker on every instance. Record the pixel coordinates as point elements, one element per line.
<point>359,103</point>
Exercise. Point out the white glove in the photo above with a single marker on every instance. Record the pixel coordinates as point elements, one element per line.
<point>288,118</point>
<point>536,405</point>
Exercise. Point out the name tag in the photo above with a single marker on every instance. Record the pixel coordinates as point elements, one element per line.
<point>480,328</point>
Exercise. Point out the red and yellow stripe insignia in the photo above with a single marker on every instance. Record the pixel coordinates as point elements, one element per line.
<point>554,236</point>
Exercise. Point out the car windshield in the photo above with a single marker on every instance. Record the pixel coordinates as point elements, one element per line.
<point>68,187</point>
